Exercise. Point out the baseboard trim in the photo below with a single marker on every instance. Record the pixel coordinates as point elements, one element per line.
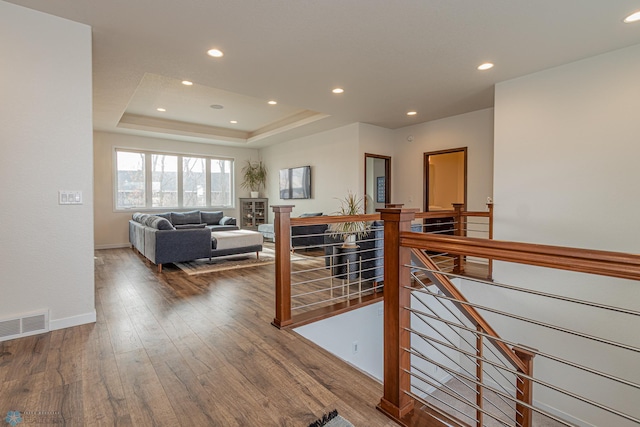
<point>112,246</point>
<point>562,415</point>
<point>69,322</point>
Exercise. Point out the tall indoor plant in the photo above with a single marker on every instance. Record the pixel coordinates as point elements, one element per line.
<point>254,177</point>
<point>349,232</point>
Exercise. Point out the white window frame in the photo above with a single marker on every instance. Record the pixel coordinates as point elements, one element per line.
<point>148,181</point>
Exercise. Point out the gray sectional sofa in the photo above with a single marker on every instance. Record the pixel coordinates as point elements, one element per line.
<point>181,236</point>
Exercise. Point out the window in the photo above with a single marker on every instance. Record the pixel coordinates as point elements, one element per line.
<point>148,180</point>
<point>130,188</point>
<point>164,180</point>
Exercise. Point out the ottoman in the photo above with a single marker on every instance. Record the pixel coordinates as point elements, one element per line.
<point>234,242</point>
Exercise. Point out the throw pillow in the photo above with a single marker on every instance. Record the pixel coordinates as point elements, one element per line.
<point>227,220</point>
<point>307,215</point>
<point>189,226</point>
<point>181,218</point>
<point>159,223</point>
<point>212,218</point>
<point>166,215</point>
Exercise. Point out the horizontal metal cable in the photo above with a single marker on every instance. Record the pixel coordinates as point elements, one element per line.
<point>535,351</point>
<point>350,295</point>
<point>457,374</point>
<point>533,292</point>
<point>461,399</point>
<point>491,350</point>
<point>422,399</point>
<point>487,387</point>
<point>548,385</point>
<point>536,322</point>
<point>465,370</point>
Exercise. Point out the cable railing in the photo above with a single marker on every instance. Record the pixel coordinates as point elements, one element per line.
<point>319,275</point>
<point>443,352</point>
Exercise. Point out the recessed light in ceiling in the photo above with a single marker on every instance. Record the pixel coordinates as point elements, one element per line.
<point>233,122</point>
<point>216,53</point>
<point>485,66</point>
<point>272,102</point>
<point>634,17</point>
<point>216,106</point>
<point>338,90</point>
<point>412,113</point>
<point>187,83</point>
<point>162,110</point>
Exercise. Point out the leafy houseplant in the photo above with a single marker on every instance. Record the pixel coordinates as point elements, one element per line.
<point>349,231</point>
<point>254,176</point>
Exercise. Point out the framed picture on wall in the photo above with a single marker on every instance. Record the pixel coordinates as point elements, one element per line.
<point>380,190</point>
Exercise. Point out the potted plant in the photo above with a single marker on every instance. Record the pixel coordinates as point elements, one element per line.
<point>349,232</point>
<point>254,177</point>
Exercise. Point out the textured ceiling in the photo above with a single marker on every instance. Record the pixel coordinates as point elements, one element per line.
<point>390,56</point>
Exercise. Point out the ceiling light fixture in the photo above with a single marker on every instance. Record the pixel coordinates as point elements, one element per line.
<point>216,53</point>
<point>187,83</point>
<point>162,110</point>
<point>338,90</point>
<point>634,17</point>
<point>233,122</point>
<point>485,66</point>
<point>216,106</point>
<point>412,113</point>
<point>272,102</point>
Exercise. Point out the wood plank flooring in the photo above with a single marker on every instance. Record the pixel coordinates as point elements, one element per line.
<point>172,349</point>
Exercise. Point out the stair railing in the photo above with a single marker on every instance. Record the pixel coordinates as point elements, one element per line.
<point>410,274</point>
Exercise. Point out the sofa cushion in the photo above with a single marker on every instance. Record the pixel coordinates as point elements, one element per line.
<point>211,218</point>
<point>159,223</point>
<point>189,226</point>
<point>227,220</point>
<point>310,214</point>
<point>181,218</point>
<point>165,215</point>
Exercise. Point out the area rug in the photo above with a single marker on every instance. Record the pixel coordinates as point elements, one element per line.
<point>332,419</point>
<point>231,262</point>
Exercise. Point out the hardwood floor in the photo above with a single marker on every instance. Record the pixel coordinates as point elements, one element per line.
<point>172,349</point>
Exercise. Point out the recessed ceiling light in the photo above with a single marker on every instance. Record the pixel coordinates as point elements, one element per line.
<point>216,53</point>
<point>634,17</point>
<point>338,90</point>
<point>216,106</point>
<point>272,102</point>
<point>412,113</point>
<point>485,66</point>
<point>187,83</point>
<point>233,122</point>
<point>162,110</point>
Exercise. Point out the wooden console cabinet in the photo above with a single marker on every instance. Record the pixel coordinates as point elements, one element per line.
<point>253,212</point>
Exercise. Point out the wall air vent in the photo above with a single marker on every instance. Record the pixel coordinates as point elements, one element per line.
<point>28,324</point>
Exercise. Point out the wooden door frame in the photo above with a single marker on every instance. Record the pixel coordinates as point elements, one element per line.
<point>387,174</point>
<point>425,174</point>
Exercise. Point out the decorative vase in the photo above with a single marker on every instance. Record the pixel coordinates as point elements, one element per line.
<point>255,194</point>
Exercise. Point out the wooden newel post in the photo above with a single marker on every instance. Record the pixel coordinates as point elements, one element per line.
<point>395,402</point>
<point>282,232</point>
<point>459,230</point>
<point>524,389</point>
<point>490,269</point>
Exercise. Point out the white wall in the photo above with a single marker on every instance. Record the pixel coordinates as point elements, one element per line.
<point>338,334</point>
<point>111,227</point>
<point>46,253</point>
<point>336,167</point>
<point>473,130</point>
<point>566,173</point>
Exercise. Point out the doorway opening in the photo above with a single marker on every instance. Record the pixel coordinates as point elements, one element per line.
<point>377,182</point>
<point>445,179</point>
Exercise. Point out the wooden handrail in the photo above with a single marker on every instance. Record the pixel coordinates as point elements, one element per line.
<point>612,264</point>
<point>332,219</point>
